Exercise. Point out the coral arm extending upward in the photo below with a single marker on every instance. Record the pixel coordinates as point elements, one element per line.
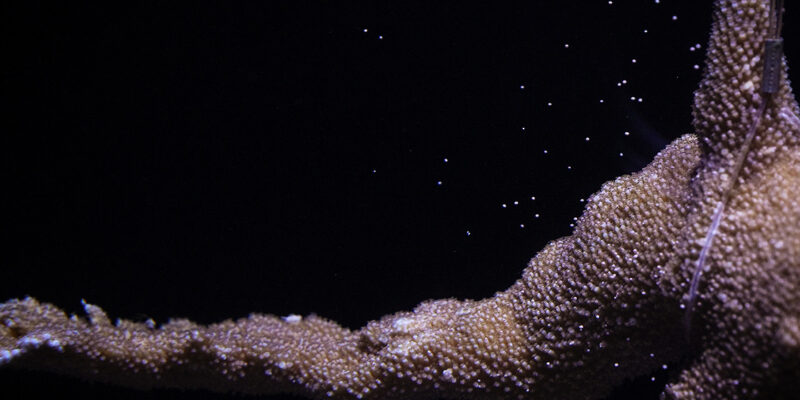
<point>732,109</point>
<point>751,270</point>
<point>729,95</point>
<point>582,312</point>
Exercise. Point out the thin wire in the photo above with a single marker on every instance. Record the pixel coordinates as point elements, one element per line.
<point>776,17</point>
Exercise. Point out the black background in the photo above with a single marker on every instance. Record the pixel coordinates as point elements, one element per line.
<point>212,160</point>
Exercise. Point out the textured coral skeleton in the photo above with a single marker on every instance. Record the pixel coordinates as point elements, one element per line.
<point>590,310</point>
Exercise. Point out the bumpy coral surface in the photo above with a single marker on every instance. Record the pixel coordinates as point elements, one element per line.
<point>592,309</point>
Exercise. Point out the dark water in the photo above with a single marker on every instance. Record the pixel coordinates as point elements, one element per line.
<point>349,161</point>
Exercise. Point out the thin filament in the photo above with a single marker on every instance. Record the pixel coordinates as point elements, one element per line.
<point>776,17</point>
<point>719,211</point>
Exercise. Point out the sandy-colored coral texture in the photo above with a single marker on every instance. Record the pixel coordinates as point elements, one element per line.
<point>610,302</point>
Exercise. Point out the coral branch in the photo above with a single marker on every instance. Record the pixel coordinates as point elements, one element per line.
<point>584,309</point>
<point>589,311</point>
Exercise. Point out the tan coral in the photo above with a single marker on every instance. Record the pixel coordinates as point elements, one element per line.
<point>751,288</point>
<point>585,310</point>
<point>590,310</point>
